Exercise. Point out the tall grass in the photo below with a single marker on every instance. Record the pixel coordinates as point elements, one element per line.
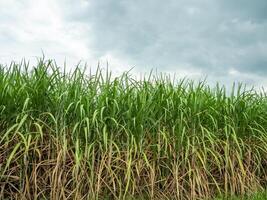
<point>73,135</point>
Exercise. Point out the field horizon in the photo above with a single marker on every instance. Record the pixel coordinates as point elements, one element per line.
<point>73,135</point>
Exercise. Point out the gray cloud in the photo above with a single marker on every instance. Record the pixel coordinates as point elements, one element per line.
<point>246,9</point>
<point>225,39</point>
<point>211,36</point>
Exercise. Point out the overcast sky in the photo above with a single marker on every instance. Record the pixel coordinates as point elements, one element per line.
<point>223,40</point>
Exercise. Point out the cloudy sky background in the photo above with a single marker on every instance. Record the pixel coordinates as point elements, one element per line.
<point>223,40</point>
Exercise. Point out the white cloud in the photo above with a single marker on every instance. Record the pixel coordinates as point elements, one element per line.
<point>29,27</point>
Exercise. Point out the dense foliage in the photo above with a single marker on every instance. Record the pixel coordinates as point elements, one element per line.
<point>75,135</point>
